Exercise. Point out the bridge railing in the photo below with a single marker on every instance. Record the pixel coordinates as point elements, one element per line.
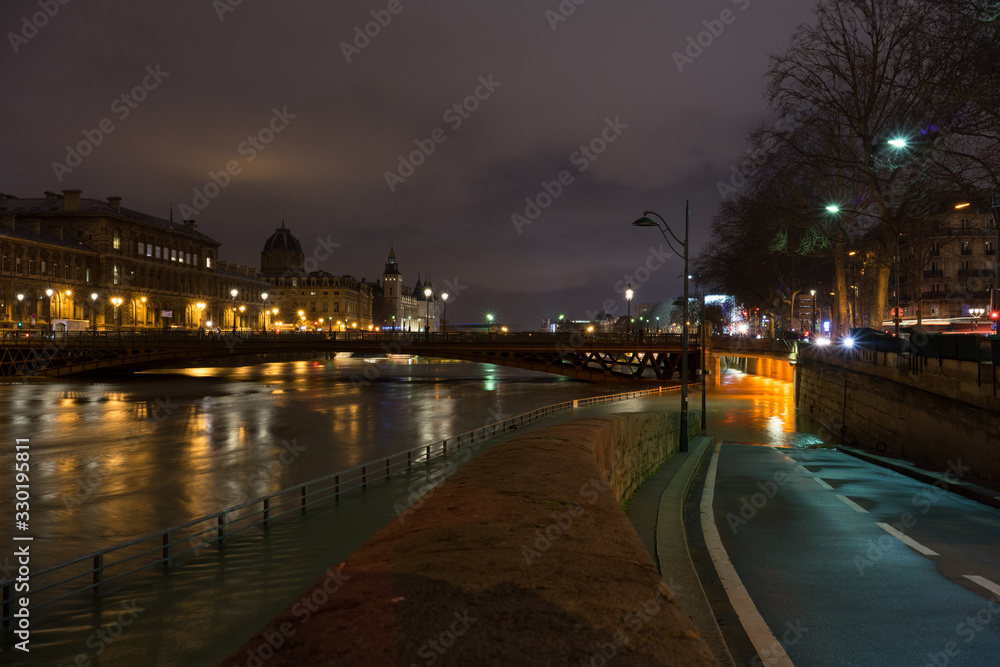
<point>95,571</point>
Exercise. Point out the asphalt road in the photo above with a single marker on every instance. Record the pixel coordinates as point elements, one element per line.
<point>817,538</point>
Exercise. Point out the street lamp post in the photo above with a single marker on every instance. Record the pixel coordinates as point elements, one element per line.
<point>263,297</point>
<point>628,317</point>
<point>976,313</point>
<point>48,305</point>
<point>117,301</point>
<point>93,312</point>
<point>427,310</point>
<point>646,221</point>
<point>812,327</point>
<point>444,319</point>
<point>233,292</point>
<point>20,310</point>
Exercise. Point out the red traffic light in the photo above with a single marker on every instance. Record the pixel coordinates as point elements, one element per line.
<point>994,315</point>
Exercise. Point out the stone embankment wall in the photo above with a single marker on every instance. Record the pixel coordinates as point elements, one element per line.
<point>523,556</point>
<point>925,410</point>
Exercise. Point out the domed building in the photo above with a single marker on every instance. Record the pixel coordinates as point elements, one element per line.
<point>282,254</point>
<point>324,300</point>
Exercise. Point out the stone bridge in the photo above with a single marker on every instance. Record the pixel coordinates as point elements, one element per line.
<point>591,357</point>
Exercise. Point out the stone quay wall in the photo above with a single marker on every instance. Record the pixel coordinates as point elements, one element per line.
<point>927,410</point>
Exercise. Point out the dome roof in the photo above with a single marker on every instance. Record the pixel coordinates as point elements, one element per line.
<point>282,239</point>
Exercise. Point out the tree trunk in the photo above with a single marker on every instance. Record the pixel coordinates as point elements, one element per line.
<point>838,329</point>
<point>880,296</point>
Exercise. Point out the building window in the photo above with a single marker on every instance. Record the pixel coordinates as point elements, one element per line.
<point>43,267</point>
<point>116,242</point>
<point>142,248</point>
<point>208,262</point>
<point>966,247</point>
<point>116,279</point>
<point>180,258</point>
<point>989,247</point>
<point>31,267</point>
<point>173,255</point>
<point>312,307</point>
<point>966,265</point>
<point>87,278</point>
<point>157,252</point>
<point>196,260</point>
<point>188,255</point>
<point>149,250</point>
<point>336,307</point>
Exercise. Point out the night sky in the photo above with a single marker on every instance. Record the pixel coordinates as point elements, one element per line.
<point>266,89</point>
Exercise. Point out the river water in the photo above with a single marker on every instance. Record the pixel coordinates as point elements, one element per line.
<point>118,459</point>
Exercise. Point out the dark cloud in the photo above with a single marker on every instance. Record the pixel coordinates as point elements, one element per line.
<point>324,173</point>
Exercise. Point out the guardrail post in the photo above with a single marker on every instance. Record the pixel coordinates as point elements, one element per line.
<point>267,511</point>
<point>304,496</point>
<point>427,454</point>
<point>364,477</point>
<point>336,488</point>
<point>6,606</point>
<point>98,572</point>
<point>222,529</point>
<point>409,460</point>
<point>387,469</point>
<point>444,447</point>
<point>166,549</point>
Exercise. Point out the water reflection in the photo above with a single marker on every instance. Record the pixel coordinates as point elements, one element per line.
<point>117,459</point>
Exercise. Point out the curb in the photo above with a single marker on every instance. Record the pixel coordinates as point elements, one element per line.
<point>673,557</point>
<point>965,489</point>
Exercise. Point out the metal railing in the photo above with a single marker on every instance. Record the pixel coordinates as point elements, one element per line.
<point>94,571</point>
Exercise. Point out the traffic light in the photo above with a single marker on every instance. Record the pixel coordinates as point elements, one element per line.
<point>20,324</point>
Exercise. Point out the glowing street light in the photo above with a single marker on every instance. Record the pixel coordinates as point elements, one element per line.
<point>444,319</point>
<point>646,221</point>
<point>628,299</point>
<point>233,292</point>
<point>898,142</point>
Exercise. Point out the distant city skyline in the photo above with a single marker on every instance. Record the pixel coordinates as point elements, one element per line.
<point>502,148</point>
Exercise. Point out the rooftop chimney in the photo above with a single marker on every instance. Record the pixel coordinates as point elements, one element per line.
<point>50,198</point>
<point>190,224</point>
<point>7,221</point>
<point>35,225</point>
<point>115,203</point>
<point>71,200</point>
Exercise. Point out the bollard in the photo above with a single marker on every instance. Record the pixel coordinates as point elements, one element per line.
<point>222,530</point>
<point>304,501</point>
<point>267,511</point>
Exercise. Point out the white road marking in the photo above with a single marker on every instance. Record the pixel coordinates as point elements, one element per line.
<point>985,583</point>
<point>853,505</point>
<point>822,483</point>
<point>803,469</point>
<point>768,648</point>
<point>913,544</point>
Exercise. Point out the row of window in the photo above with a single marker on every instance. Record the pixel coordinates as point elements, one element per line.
<point>28,268</point>
<point>170,254</point>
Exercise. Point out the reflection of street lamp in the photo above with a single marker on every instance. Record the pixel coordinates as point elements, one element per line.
<point>444,319</point>
<point>233,292</point>
<point>646,221</point>
<point>628,299</point>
